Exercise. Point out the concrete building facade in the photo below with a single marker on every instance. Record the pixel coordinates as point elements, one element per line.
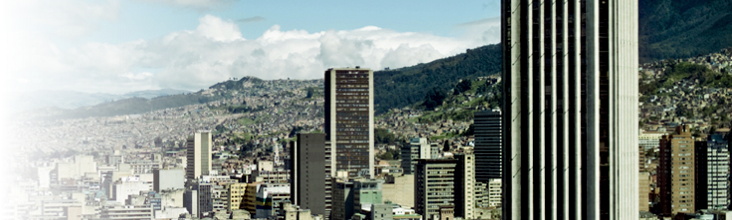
<point>676,172</point>
<point>570,74</point>
<point>308,182</point>
<point>465,186</point>
<point>349,120</point>
<point>367,192</point>
<point>171,179</point>
<point>644,191</point>
<point>350,195</point>
<point>342,200</point>
<point>418,148</point>
<point>495,193</point>
<point>198,155</point>
<point>434,186</point>
<point>237,191</point>
<point>270,199</point>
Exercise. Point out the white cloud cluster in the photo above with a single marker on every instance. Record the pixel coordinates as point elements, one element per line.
<point>216,51</point>
<point>70,19</point>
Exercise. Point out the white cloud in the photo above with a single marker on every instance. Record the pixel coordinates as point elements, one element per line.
<point>31,50</point>
<point>483,30</point>
<point>201,5</point>
<point>70,19</point>
<point>216,51</point>
<point>138,76</point>
<point>217,29</point>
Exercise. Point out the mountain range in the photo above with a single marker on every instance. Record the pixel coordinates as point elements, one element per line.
<point>683,28</point>
<point>73,99</point>
<point>669,29</point>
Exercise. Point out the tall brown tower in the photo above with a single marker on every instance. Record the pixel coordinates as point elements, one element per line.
<point>676,172</point>
<point>349,120</point>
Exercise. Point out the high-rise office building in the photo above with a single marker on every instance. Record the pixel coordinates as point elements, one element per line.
<point>308,180</point>
<point>570,76</point>
<point>447,182</point>
<point>488,161</point>
<point>417,148</point>
<point>676,172</point>
<point>349,120</point>
<point>465,185</point>
<point>712,160</point>
<point>434,186</point>
<point>198,155</point>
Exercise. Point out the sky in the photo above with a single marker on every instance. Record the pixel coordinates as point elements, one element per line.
<point>119,46</point>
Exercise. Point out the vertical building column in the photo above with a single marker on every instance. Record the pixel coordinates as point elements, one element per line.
<point>514,163</point>
<point>539,109</point>
<point>575,114</point>
<point>593,110</point>
<point>624,73</point>
<point>564,114</point>
<point>529,165</point>
<point>551,108</point>
<point>371,124</point>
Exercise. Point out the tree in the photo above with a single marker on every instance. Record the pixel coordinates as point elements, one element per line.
<point>383,136</point>
<point>434,98</point>
<point>446,146</point>
<point>310,93</point>
<point>463,86</point>
<point>386,156</point>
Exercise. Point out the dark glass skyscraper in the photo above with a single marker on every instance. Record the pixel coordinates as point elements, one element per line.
<point>487,127</point>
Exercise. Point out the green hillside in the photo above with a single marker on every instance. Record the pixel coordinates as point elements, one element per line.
<point>683,28</point>
<point>406,86</point>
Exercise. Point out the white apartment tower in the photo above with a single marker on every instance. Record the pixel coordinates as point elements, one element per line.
<point>570,73</point>
<point>198,155</point>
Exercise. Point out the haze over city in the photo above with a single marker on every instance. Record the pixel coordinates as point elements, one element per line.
<point>365,110</point>
<point>125,46</point>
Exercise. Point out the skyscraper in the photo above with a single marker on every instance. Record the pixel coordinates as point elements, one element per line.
<point>712,163</point>
<point>487,128</point>
<point>676,172</point>
<point>445,182</point>
<point>349,120</point>
<point>434,186</point>
<point>465,185</point>
<point>570,109</point>
<point>198,155</point>
<point>308,182</point>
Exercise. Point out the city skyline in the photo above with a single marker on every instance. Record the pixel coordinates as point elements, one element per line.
<point>559,122</point>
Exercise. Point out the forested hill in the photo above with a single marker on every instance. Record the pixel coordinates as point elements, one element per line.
<point>406,86</point>
<point>683,28</point>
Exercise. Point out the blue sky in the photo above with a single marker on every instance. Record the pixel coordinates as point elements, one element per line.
<point>117,46</point>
